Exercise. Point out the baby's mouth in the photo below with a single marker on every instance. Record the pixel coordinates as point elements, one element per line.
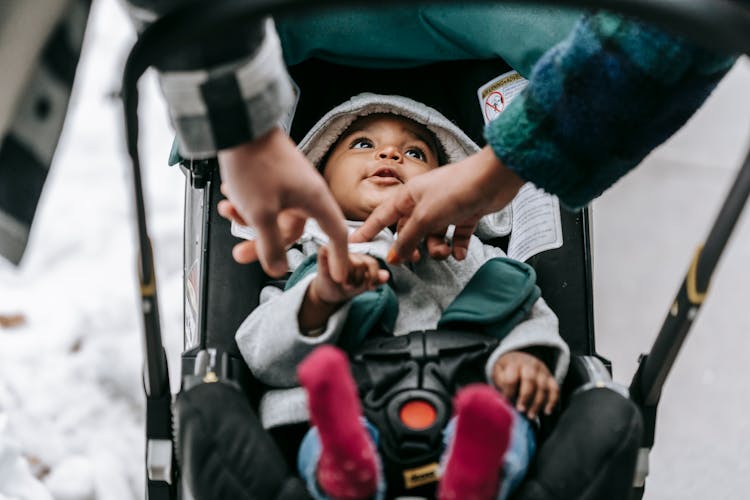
<point>385,176</point>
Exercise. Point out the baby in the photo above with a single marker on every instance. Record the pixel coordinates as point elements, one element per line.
<point>364,148</point>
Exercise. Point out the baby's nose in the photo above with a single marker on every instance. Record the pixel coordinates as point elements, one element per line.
<point>389,153</point>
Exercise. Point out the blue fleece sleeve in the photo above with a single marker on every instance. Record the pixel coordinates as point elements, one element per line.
<point>598,102</point>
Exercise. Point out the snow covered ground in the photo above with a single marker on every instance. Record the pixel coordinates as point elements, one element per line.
<point>71,401</point>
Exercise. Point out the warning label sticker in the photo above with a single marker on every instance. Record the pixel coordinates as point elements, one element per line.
<point>536,223</point>
<point>496,94</point>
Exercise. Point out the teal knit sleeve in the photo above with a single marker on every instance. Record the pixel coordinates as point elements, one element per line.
<point>598,102</point>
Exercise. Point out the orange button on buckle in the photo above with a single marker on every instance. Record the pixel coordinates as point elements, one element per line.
<point>417,414</point>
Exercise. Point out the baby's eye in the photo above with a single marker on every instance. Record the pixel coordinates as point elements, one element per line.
<point>416,153</point>
<point>361,143</point>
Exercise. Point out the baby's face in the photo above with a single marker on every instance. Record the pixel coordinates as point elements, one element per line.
<point>376,155</point>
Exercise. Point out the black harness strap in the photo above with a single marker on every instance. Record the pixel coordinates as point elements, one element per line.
<point>426,367</point>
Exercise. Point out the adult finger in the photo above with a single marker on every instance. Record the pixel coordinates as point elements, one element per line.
<point>270,244</point>
<point>437,247</point>
<point>393,209</point>
<point>323,269</point>
<point>290,225</point>
<point>373,273</point>
<point>526,389</point>
<point>391,258</point>
<point>331,220</point>
<point>227,210</point>
<point>461,239</point>
<point>245,252</point>
<point>416,227</point>
<point>554,395</point>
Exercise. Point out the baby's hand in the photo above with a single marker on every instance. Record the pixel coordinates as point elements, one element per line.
<point>364,274</point>
<point>524,377</point>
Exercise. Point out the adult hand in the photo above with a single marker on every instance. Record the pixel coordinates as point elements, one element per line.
<point>274,188</point>
<point>458,194</point>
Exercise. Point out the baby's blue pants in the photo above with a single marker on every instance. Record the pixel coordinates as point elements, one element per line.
<point>520,451</point>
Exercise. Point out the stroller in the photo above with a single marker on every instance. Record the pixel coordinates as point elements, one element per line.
<point>217,448</point>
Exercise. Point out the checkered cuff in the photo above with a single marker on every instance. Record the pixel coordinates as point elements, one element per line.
<point>230,104</point>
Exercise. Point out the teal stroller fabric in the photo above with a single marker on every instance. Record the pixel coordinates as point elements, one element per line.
<point>407,36</point>
<point>497,298</point>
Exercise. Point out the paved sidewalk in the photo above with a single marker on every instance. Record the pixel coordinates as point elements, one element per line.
<point>645,231</point>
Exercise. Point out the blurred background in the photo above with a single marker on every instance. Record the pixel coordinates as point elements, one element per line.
<point>71,401</point>
<point>646,230</point>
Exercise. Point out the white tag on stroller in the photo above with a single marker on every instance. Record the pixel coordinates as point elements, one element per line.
<point>535,215</point>
<point>496,94</point>
<point>536,223</point>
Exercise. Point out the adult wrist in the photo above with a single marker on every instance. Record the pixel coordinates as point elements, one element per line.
<point>252,147</point>
<point>240,163</point>
<point>220,107</point>
<point>499,184</point>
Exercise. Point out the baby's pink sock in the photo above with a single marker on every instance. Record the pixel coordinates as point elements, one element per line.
<point>347,468</point>
<point>475,458</point>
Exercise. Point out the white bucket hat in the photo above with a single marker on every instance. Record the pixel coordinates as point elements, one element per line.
<point>324,134</point>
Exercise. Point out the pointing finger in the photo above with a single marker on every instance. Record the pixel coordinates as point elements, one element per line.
<point>270,244</point>
<point>386,214</point>
<point>331,220</point>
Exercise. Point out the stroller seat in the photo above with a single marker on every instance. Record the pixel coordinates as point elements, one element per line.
<point>597,421</point>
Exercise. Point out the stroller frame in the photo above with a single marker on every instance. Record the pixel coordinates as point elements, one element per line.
<point>699,20</point>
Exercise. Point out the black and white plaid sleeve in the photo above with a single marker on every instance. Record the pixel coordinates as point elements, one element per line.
<point>223,90</point>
